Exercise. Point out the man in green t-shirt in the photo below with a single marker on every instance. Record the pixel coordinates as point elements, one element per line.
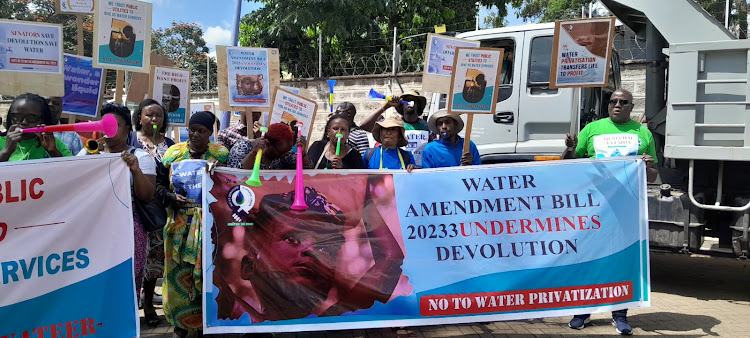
<point>617,135</point>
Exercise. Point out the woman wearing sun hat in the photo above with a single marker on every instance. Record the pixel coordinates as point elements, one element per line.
<point>390,134</point>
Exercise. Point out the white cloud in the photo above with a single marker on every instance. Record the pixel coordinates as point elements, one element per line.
<point>217,35</point>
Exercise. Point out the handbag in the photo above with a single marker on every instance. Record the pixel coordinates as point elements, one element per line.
<point>153,214</point>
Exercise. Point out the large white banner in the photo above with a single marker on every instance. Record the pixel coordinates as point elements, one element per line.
<point>66,248</point>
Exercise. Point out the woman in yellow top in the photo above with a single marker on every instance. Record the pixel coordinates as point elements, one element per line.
<point>181,286</point>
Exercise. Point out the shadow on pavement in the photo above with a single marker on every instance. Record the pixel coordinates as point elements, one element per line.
<point>701,277</point>
<point>678,322</point>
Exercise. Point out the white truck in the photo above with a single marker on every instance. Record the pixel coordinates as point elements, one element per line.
<point>697,106</point>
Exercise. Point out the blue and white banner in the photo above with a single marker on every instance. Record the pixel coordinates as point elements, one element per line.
<point>66,249</point>
<point>438,246</point>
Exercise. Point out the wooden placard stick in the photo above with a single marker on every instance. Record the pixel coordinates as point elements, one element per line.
<point>79,30</point>
<point>176,133</point>
<point>119,85</point>
<point>79,33</point>
<point>467,132</point>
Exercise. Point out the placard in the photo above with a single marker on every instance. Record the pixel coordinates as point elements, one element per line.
<point>581,51</point>
<point>122,35</point>
<point>246,77</point>
<point>82,86</point>
<point>139,83</point>
<point>31,58</point>
<point>171,87</point>
<point>196,107</point>
<point>289,107</point>
<point>475,80</point>
<point>438,63</point>
<point>74,6</point>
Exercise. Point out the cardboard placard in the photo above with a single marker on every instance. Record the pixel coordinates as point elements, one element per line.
<point>475,80</point>
<point>196,107</point>
<point>122,35</point>
<point>139,83</point>
<point>438,61</point>
<point>288,107</point>
<point>31,58</point>
<point>171,87</point>
<point>246,77</point>
<point>82,86</point>
<point>581,51</point>
<point>74,7</point>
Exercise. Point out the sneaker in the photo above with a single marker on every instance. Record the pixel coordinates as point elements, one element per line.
<point>579,321</point>
<point>622,326</point>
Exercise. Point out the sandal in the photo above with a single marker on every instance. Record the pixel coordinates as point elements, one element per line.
<point>152,319</point>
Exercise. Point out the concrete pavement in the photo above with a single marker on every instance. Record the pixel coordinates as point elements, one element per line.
<point>692,296</point>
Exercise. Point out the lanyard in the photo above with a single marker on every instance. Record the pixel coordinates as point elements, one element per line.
<point>403,167</point>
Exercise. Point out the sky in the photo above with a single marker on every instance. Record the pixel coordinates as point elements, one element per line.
<point>216,17</point>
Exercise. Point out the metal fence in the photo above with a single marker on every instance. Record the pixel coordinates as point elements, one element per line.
<point>627,44</point>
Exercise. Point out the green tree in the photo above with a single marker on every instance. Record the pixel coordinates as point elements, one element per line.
<point>183,43</point>
<point>352,27</point>
<point>549,10</point>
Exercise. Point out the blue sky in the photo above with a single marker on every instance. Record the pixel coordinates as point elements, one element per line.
<point>217,16</point>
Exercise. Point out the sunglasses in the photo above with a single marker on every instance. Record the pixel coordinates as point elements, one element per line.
<point>622,102</point>
<point>18,118</point>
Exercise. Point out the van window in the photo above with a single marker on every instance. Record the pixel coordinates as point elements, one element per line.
<point>506,74</point>
<point>540,60</point>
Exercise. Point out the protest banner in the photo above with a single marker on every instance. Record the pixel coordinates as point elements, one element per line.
<point>246,77</point>
<point>196,107</point>
<point>290,108</point>
<point>82,86</point>
<point>67,264</point>
<point>581,50</point>
<point>122,35</point>
<point>171,87</point>
<point>436,246</point>
<point>31,58</point>
<point>438,63</point>
<point>74,6</point>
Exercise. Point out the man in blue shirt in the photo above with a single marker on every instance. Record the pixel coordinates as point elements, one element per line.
<point>447,151</point>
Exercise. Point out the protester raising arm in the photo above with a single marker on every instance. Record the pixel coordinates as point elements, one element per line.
<point>369,121</point>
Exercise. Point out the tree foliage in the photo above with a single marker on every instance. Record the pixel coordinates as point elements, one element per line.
<point>183,43</point>
<point>352,26</point>
<point>549,10</point>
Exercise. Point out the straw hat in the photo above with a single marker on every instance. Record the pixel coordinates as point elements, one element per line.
<point>432,122</point>
<point>392,119</point>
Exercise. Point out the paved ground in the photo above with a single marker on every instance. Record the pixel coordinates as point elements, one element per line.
<point>696,296</point>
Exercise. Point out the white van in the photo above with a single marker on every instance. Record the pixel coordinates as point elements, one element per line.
<point>531,120</point>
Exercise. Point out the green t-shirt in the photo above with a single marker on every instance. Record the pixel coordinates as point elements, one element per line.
<point>419,125</point>
<point>32,149</point>
<point>604,138</point>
